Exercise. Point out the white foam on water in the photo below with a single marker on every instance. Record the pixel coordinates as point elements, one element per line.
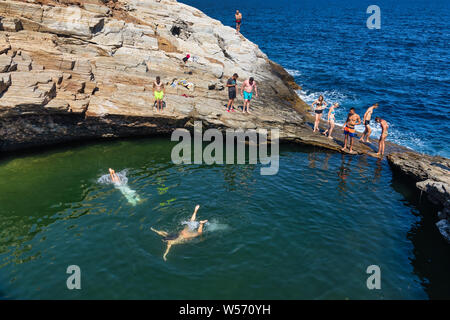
<point>330,96</point>
<point>406,139</point>
<point>106,178</point>
<point>131,195</point>
<point>214,226</point>
<point>210,226</point>
<point>293,72</point>
<point>193,225</point>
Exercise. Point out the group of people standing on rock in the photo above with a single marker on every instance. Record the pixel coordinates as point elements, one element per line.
<point>353,119</point>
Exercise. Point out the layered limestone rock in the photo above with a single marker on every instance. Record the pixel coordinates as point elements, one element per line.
<point>432,176</point>
<point>73,70</point>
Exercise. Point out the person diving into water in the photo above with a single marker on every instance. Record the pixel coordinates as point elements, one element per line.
<point>184,235</point>
<point>129,194</point>
<point>114,177</point>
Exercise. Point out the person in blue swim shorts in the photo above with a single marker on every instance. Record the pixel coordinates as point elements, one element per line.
<point>247,92</point>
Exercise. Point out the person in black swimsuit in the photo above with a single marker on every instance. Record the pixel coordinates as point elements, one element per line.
<point>232,89</point>
<point>319,105</point>
<point>366,120</point>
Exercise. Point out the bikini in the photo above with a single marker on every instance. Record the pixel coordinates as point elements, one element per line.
<point>321,110</point>
<point>333,112</point>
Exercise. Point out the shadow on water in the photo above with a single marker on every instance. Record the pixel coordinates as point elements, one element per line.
<point>430,258</point>
<point>431,255</point>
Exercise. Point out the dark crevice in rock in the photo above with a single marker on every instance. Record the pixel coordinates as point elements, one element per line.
<point>98,27</point>
<point>181,30</point>
<point>222,47</point>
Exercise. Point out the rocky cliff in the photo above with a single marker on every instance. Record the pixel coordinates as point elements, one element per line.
<point>431,176</point>
<point>72,70</point>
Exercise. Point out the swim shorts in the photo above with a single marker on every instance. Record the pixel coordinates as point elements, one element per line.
<point>318,111</point>
<point>367,122</point>
<point>350,132</point>
<point>248,95</point>
<point>159,95</point>
<point>172,236</point>
<point>232,94</point>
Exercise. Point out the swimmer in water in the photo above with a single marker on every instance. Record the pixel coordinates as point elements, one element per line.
<point>183,236</point>
<point>114,177</point>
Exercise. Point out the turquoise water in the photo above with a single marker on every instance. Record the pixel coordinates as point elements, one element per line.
<point>309,232</point>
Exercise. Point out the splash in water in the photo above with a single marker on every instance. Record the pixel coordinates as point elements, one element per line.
<point>210,226</point>
<point>131,195</point>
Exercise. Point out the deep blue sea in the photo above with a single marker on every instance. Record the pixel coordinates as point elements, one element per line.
<point>328,48</point>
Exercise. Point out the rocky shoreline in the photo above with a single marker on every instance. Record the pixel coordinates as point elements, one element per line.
<point>431,175</point>
<point>79,70</point>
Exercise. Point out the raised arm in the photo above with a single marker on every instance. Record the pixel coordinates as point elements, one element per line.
<point>200,228</point>
<point>194,215</point>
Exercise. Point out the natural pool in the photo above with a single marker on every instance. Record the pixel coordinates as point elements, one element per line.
<point>308,232</point>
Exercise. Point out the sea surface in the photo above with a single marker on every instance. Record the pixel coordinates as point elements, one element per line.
<point>327,47</point>
<point>309,232</point>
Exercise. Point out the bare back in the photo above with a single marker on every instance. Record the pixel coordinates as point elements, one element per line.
<point>368,114</point>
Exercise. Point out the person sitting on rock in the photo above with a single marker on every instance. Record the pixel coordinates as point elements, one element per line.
<point>247,92</point>
<point>188,233</point>
<point>158,91</point>
<point>185,59</point>
<point>232,88</point>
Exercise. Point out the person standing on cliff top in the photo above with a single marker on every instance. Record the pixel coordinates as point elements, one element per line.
<point>158,91</point>
<point>238,17</point>
<point>353,119</point>
<point>366,121</point>
<point>247,92</point>
<point>384,134</point>
<point>232,89</point>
